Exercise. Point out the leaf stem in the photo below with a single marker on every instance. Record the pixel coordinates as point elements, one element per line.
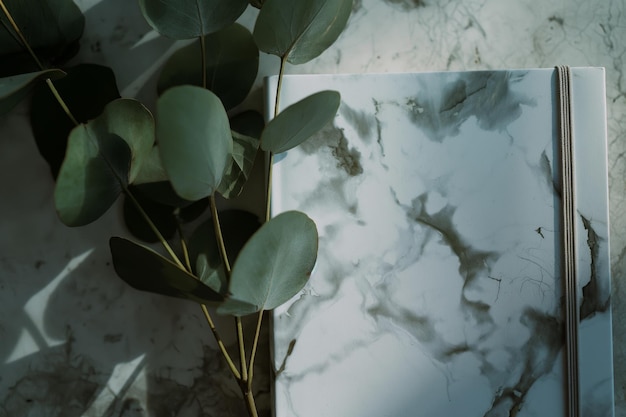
<point>60,100</point>
<point>156,231</point>
<point>242,351</point>
<point>279,87</point>
<point>249,397</point>
<point>20,35</point>
<point>220,343</point>
<point>268,196</point>
<point>218,235</point>
<point>26,45</point>
<point>255,343</point>
<point>183,245</point>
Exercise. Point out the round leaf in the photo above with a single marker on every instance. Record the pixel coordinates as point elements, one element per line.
<point>300,121</point>
<point>146,270</point>
<point>194,140</point>
<point>273,266</point>
<point>232,62</point>
<point>131,121</point>
<point>186,19</point>
<point>92,176</point>
<point>52,27</point>
<point>14,89</point>
<point>300,30</point>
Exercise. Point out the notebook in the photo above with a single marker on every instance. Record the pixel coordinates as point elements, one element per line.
<point>441,284</point>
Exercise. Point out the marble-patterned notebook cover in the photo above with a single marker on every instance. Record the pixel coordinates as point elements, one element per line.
<point>437,289</point>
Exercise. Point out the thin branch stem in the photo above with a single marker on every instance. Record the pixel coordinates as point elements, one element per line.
<point>20,35</point>
<point>220,343</point>
<point>61,102</point>
<point>183,245</point>
<point>218,235</point>
<point>249,397</point>
<point>268,196</point>
<point>156,231</point>
<point>255,343</point>
<point>281,72</point>
<point>21,39</point>
<point>242,351</point>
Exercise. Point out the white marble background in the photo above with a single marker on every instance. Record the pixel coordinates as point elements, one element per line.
<point>87,345</point>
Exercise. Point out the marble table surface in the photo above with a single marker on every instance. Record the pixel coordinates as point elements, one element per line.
<point>76,341</point>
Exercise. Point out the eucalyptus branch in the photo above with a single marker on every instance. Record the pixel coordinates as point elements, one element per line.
<point>26,45</point>
<point>20,35</point>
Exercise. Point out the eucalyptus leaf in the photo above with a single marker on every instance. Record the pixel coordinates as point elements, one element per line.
<point>146,270</point>
<point>232,62</point>
<point>273,266</point>
<point>93,175</point>
<point>151,170</point>
<point>186,19</point>
<point>97,167</point>
<point>237,226</point>
<point>300,121</point>
<point>13,89</point>
<point>300,30</point>
<point>194,140</point>
<point>84,97</point>
<point>51,27</point>
<point>237,173</point>
<point>130,120</point>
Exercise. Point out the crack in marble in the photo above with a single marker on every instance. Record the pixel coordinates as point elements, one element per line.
<point>592,302</point>
<point>487,96</point>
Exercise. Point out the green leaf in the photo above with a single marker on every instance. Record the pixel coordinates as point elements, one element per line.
<point>238,171</point>
<point>14,89</point>
<point>273,266</point>
<point>300,121</point>
<point>84,97</point>
<point>92,176</point>
<point>186,19</point>
<point>300,30</point>
<point>130,120</point>
<point>146,270</point>
<point>52,28</point>
<point>151,169</point>
<point>194,140</point>
<point>97,167</point>
<point>237,227</point>
<point>232,62</point>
